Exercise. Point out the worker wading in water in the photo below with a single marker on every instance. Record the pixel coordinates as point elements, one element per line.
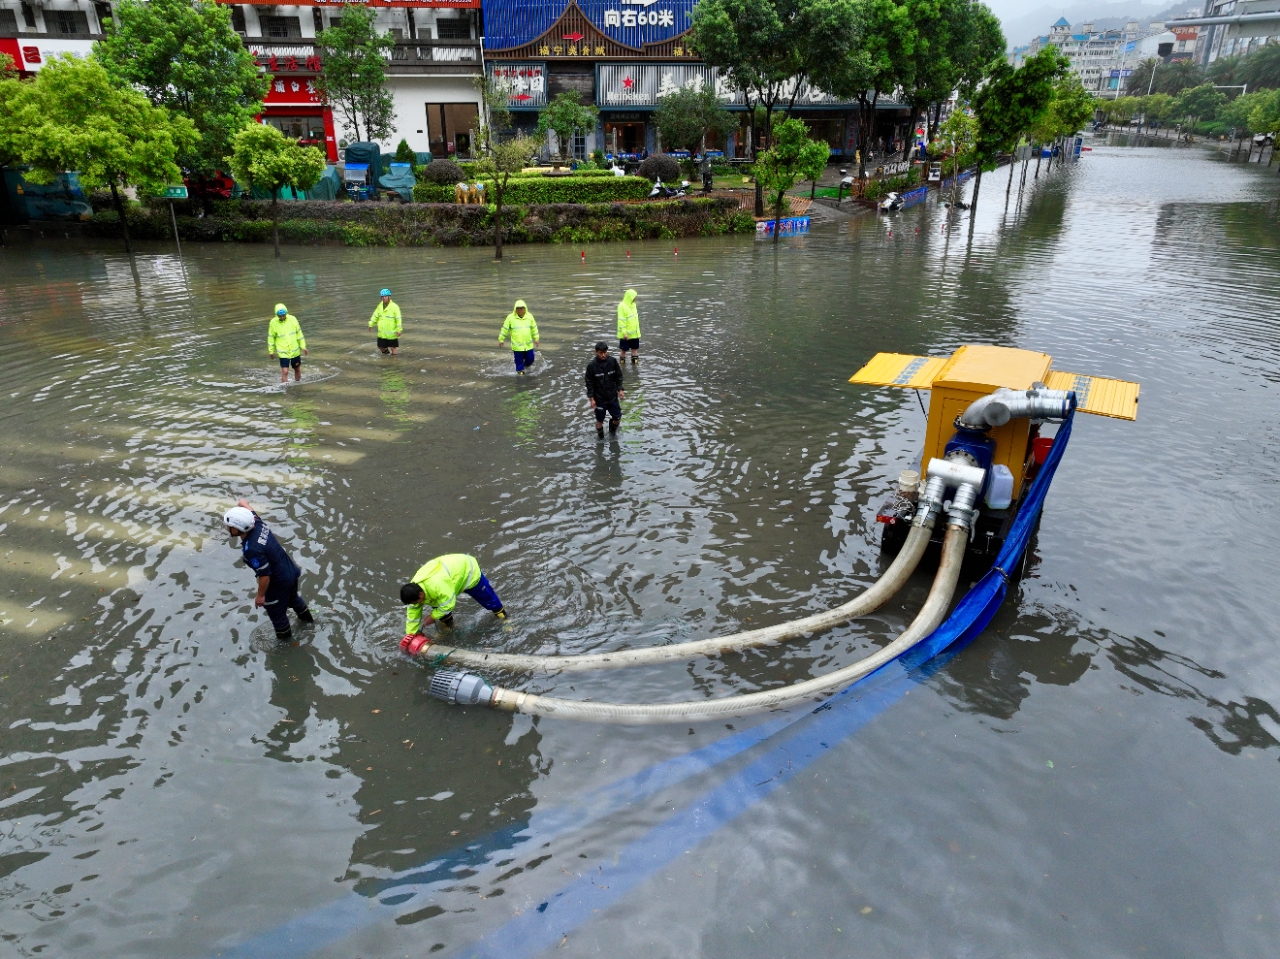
<point>386,317</point>
<point>285,339</point>
<point>628,327</point>
<point>604,388</point>
<point>523,330</point>
<point>275,569</point>
<point>435,588</point>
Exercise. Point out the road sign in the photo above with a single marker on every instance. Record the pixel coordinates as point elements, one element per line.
<point>174,193</point>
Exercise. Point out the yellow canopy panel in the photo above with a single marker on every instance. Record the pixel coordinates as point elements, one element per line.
<point>1098,394</point>
<point>900,369</point>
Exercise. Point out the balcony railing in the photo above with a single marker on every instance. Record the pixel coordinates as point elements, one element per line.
<point>446,55</point>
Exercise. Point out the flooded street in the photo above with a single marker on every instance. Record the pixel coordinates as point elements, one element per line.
<point>1096,775</point>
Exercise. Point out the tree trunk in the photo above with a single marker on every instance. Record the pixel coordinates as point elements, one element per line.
<point>275,220</point>
<point>124,222</point>
<point>977,185</point>
<point>777,216</point>
<point>1039,157</point>
<point>1022,181</point>
<point>1013,163</point>
<point>497,221</point>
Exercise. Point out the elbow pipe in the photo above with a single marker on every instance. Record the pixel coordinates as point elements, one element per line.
<point>1004,405</point>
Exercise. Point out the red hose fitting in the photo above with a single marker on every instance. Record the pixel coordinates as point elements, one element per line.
<point>413,643</point>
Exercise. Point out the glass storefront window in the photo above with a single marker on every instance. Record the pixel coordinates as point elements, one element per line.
<point>308,130</point>
<point>451,128</point>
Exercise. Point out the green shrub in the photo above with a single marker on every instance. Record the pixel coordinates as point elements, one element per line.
<point>540,189</point>
<point>403,154</point>
<point>660,166</point>
<point>443,172</point>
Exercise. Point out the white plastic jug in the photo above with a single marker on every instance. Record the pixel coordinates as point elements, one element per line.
<point>1000,489</point>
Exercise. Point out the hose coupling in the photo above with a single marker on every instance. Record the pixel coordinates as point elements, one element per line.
<point>414,643</point>
<point>962,511</point>
<point>458,688</point>
<point>930,502</point>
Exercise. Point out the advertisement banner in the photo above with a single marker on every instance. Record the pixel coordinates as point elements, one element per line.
<point>32,53</point>
<point>285,91</point>
<point>640,85</point>
<point>633,23</point>
<point>525,82</point>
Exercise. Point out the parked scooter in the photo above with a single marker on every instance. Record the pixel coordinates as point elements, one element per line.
<point>665,192</point>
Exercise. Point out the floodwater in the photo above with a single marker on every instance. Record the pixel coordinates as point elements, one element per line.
<point>1096,775</point>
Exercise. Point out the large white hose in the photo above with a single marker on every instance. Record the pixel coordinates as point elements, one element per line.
<point>931,615</point>
<point>904,564</point>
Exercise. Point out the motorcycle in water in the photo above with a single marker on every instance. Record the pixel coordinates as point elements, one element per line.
<point>665,192</point>
<point>891,203</point>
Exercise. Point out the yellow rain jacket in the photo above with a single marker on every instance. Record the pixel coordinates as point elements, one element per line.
<point>284,337</point>
<point>522,330</point>
<point>628,317</point>
<point>387,319</point>
<point>442,579</point>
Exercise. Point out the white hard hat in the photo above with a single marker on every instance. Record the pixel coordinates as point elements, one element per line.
<point>239,518</point>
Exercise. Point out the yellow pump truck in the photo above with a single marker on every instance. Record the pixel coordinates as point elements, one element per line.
<point>986,412</point>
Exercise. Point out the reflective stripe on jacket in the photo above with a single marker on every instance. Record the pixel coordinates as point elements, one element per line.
<point>628,317</point>
<point>523,330</point>
<point>284,337</point>
<point>442,579</point>
<point>387,319</point>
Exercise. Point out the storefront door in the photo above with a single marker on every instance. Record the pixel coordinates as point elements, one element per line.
<point>452,128</point>
<point>623,137</point>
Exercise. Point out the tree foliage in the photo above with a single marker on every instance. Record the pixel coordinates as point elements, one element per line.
<point>1069,110</point>
<point>792,157</point>
<point>689,114</point>
<point>72,116</point>
<point>265,158</point>
<point>1199,103</point>
<point>1261,68</point>
<point>562,116</point>
<point>1174,77</point>
<point>353,77</point>
<point>502,161</point>
<point>185,57</point>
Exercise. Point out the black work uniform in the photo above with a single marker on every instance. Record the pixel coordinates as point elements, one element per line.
<point>604,383</point>
<point>264,556</point>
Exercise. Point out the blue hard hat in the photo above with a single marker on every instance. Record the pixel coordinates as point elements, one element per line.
<point>385,292</point>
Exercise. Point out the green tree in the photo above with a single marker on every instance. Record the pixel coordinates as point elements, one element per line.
<point>1236,113</point>
<point>73,117</point>
<point>771,50</point>
<point>263,157</point>
<point>688,115</point>
<point>10,136</point>
<point>186,58</point>
<point>1069,110</point>
<point>353,77</point>
<point>1224,71</point>
<point>1265,116</point>
<point>1199,103</point>
<point>1011,104</point>
<point>564,115</point>
<point>495,101</point>
<point>1261,68</point>
<point>502,160</point>
<point>1177,76</point>
<point>1143,77</point>
<point>957,136</point>
<point>791,157</point>
<point>1157,107</point>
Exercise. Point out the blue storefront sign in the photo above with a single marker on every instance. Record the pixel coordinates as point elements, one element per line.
<point>633,23</point>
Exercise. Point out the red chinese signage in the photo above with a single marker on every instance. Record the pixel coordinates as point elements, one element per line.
<point>292,92</point>
<point>282,63</point>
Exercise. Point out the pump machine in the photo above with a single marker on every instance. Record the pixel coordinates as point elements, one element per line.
<point>988,407</point>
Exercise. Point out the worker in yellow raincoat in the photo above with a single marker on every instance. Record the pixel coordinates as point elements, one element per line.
<point>434,590</point>
<point>285,339</point>
<point>523,330</point>
<point>628,327</point>
<point>386,317</point>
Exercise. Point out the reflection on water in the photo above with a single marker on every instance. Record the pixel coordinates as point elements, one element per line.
<point>174,787</point>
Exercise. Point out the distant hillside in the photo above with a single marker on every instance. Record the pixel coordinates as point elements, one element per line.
<point>1022,27</point>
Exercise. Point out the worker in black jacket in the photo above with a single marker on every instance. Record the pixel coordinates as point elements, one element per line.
<point>604,388</point>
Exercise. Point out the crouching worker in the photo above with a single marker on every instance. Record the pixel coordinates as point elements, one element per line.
<point>435,588</point>
<point>275,569</point>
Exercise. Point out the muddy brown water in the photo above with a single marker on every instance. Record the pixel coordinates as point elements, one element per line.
<point>1096,775</point>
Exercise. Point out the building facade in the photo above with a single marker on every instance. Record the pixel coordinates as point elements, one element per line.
<point>1104,59</point>
<point>1231,28</point>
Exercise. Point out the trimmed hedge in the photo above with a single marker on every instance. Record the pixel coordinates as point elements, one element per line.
<point>423,224</point>
<point>542,189</point>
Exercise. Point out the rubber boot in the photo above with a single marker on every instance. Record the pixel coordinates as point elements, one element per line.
<point>599,431</point>
<point>285,637</point>
<point>613,426</point>
<point>501,613</point>
<point>306,618</point>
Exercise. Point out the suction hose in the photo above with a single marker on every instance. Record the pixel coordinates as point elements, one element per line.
<point>930,616</point>
<point>904,564</point>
